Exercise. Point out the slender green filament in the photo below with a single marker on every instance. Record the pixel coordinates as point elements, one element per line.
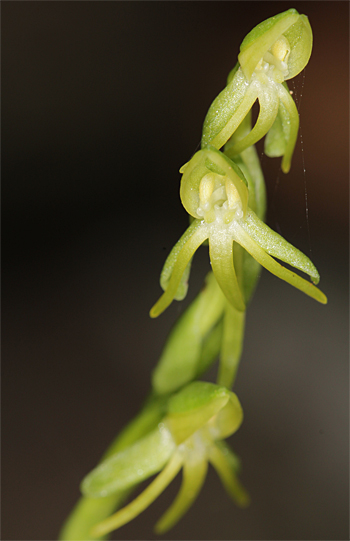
<point>183,259</point>
<point>194,473</point>
<point>221,257</point>
<point>143,500</point>
<point>277,269</point>
<point>228,477</point>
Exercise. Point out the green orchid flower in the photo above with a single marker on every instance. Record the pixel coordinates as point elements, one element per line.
<point>273,52</point>
<point>199,417</point>
<point>214,192</point>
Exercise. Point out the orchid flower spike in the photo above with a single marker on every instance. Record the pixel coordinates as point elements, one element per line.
<point>214,192</point>
<point>198,418</point>
<point>273,52</point>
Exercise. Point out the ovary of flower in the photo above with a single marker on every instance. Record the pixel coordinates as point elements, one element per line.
<point>192,439</point>
<point>218,202</point>
<point>267,59</point>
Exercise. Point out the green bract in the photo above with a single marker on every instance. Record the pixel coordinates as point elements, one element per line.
<point>188,437</point>
<point>225,219</point>
<point>194,342</point>
<point>209,328</point>
<point>273,52</point>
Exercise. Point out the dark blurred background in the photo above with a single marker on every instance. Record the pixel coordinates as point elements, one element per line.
<point>102,102</point>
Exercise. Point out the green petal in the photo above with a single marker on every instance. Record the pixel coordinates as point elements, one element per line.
<point>275,268</point>
<point>233,460</point>
<point>179,361</point>
<point>143,500</point>
<point>277,246</point>
<point>192,407</point>
<point>262,37</point>
<point>232,73</point>
<point>292,126</point>
<point>221,258</point>
<point>231,348</point>
<point>223,467</point>
<point>185,255</point>
<point>268,102</point>
<point>194,473</point>
<point>224,107</point>
<point>227,421</point>
<point>228,110</point>
<point>132,465</point>
<point>171,261</point>
<point>299,36</point>
<point>276,139</point>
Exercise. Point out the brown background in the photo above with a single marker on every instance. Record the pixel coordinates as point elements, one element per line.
<point>102,102</point>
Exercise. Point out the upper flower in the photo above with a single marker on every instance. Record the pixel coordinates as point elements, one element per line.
<point>198,418</point>
<point>273,52</point>
<point>214,192</point>
<point>284,42</point>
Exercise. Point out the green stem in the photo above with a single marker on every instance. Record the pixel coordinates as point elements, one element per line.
<point>276,246</point>
<point>231,346</point>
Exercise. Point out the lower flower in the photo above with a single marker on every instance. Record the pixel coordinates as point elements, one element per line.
<point>191,435</point>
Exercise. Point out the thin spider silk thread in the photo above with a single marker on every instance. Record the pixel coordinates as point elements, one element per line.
<point>297,95</point>
<point>298,100</point>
